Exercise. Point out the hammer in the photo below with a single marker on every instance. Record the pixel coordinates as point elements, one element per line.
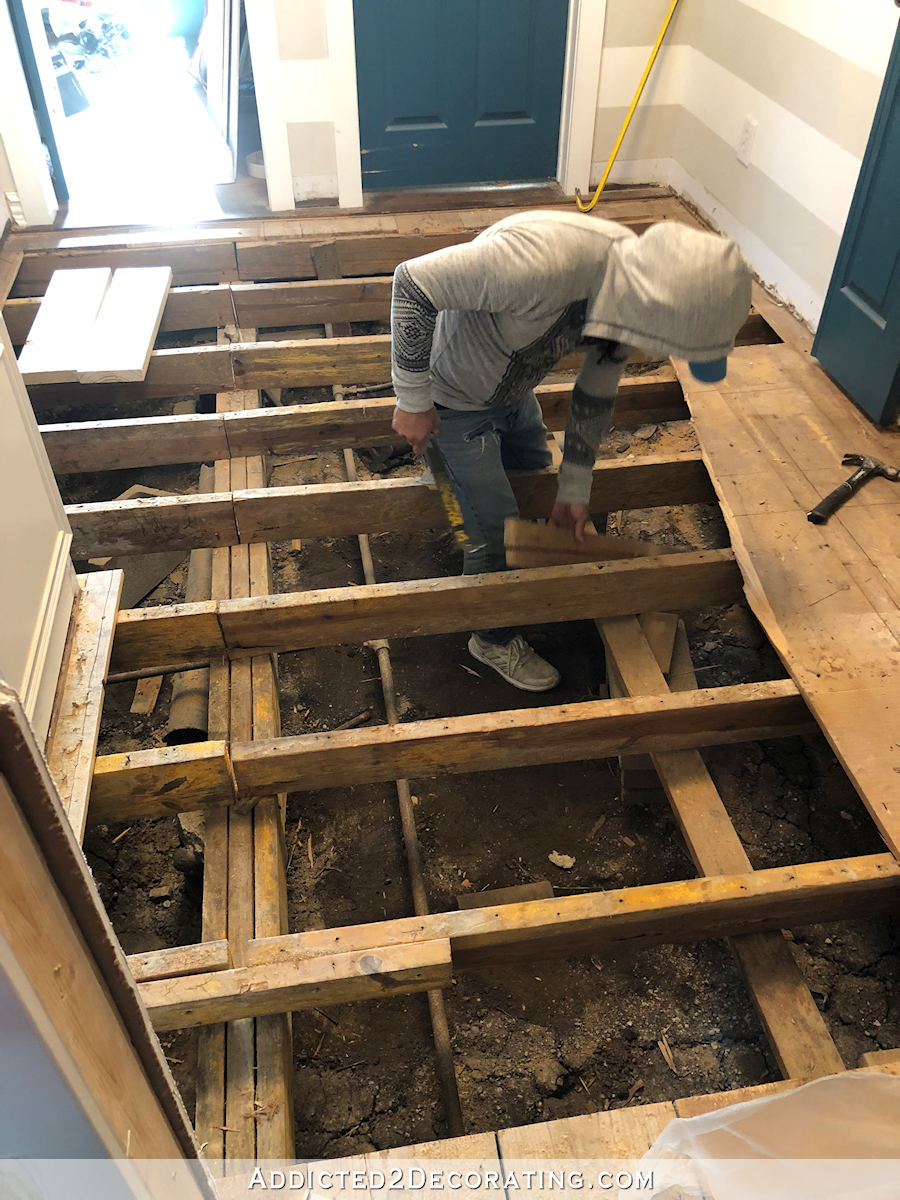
<point>867,468</point>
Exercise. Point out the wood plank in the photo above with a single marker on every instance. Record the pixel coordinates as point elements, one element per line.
<point>595,922</point>
<point>619,1134</point>
<point>75,723</point>
<point>790,1017</point>
<point>140,526</point>
<point>345,978</point>
<point>155,441</point>
<point>312,302</point>
<point>529,544</point>
<point>195,633</point>
<point>64,322</point>
<point>149,782</point>
<point>193,262</point>
<point>198,959</point>
<point>117,348</point>
<point>55,975</point>
<point>823,601</point>
<point>174,780</point>
<point>541,889</point>
<point>305,362</point>
<point>146,693</point>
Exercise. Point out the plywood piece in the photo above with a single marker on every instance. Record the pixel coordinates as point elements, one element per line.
<point>826,603</point>
<point>75,724</point>
<point>117,348</point>
<point>52,351</point>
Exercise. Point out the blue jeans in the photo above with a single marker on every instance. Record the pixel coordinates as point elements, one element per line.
<point>479,446</point>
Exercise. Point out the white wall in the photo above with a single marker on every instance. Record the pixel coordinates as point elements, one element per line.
<point>40,583</point>
<point>808,73</point>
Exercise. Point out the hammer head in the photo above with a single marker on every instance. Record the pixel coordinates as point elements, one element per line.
<point>874,466</point>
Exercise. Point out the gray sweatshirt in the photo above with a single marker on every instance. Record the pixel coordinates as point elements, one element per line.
<point>482,323</point>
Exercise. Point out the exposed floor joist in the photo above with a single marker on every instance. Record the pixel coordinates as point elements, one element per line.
<point>147,783</point>
<point>338,965</point>
<point>197,633</point>
<point>305,362</point>
<point>344,509</point>
<point>155,441</point>
<point>794,1026</point>
<point>75,722</point>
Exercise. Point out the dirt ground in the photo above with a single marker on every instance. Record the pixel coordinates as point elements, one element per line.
<point>530,1043</point>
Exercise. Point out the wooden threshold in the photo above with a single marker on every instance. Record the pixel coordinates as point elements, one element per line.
<point>155,441</point>
<point>343,509</point>
<point>148,783</point>
<point>198,633</point>
<point>298,970</point>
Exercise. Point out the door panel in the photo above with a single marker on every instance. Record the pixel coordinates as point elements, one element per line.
<point>459,91</point>
<point>858,340</point>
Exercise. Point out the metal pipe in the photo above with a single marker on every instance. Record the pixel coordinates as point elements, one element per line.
<point>440,1027</point>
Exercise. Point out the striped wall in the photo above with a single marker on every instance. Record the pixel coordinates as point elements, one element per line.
<point>808,72</point>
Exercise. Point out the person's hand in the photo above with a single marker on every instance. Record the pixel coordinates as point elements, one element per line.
<point>570,516</point>
<point>417,428</point>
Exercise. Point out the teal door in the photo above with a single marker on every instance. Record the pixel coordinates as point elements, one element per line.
<point>459,91</point>
<point>858,340</point>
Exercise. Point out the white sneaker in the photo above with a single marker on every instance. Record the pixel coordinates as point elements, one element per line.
<point>517,663</point>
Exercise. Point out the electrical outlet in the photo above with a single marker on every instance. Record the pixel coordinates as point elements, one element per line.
<point>745,142</point>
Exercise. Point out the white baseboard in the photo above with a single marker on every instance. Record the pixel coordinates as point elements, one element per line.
<point>41,675</point>
<point>315,187</point>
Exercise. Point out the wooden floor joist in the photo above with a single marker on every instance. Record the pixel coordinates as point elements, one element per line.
<point>343,509</point>
<point>790,1017</point>
<point>156,441</point>
<point>146,783</point>
<point>197,633</point>
<point>350,964</point>
<point>75,724</point>
<point>305,362</point>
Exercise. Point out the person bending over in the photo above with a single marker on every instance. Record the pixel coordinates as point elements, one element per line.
<point>475,327</point>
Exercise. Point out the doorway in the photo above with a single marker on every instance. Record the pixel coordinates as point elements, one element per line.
<point>465,91</point>
<point>145,104</point>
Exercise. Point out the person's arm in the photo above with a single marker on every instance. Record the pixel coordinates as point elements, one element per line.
<point>590,416</point>
<point>506,272</point>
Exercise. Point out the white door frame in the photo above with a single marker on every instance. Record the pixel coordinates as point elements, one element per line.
<point>19,137</point>
<point>581,79</point>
